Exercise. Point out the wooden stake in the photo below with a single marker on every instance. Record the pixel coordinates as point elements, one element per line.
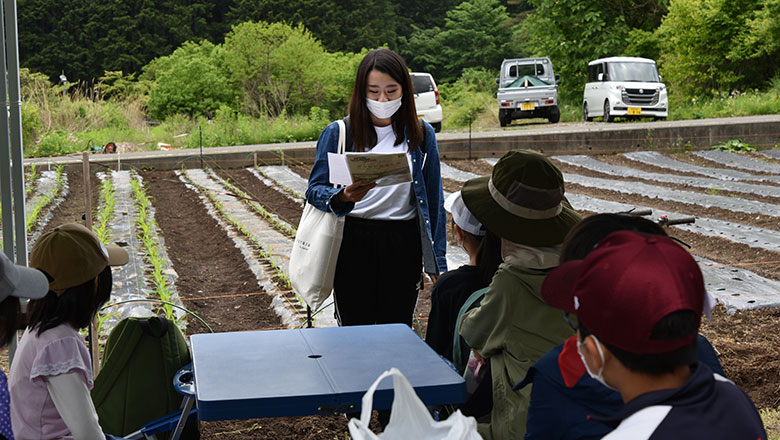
<point>255,158</point>
<point>93,342</point>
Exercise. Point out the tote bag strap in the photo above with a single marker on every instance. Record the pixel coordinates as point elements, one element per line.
<point>342,140</point>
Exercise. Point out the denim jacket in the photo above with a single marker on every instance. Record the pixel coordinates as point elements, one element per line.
<point>426,175</point>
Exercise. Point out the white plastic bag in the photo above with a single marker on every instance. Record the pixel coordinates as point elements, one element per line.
<point>316,249</point>
<point>409,418</point>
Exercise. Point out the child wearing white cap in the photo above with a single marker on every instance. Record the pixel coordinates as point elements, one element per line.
<point>15,282</point>
<point>52,374</point>
<point>453,288</point>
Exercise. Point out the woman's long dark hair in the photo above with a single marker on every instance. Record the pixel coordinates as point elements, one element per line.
<point>405,121</point>
<point>489,257</point>
<point>76,306</point>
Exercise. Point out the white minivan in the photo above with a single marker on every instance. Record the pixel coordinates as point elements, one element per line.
<point>426,99</point>
<point>624,86</point>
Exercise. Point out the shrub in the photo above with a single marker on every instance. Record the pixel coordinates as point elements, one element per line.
<point>192,80</point>
<point>55,143</point>
<point>280,68</point>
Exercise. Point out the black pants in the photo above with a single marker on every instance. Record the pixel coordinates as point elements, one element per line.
<point>379,272</point>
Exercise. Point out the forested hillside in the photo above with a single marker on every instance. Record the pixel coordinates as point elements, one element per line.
<point>239,59</point>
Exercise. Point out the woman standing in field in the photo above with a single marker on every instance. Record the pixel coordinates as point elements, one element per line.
<point>391,233</point>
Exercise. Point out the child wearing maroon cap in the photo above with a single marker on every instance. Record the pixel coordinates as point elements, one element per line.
<point>638,300</point>
<point>559,380</point>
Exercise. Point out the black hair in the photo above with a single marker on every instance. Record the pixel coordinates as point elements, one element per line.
<point>404,121</point>
<point>76,306</point>
<point>9,319</point>
<point>488,257</point>
<point>679,324</point>
<point>584,236</point>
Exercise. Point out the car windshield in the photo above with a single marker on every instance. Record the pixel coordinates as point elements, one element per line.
<point>422,84</point>
<point>528,81</point>
<point>634,72</point>
<point>519,70</point>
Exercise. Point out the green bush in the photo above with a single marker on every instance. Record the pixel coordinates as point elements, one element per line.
<point>472,98</point>
<point>31,123</point>
<point>734,145</point>
<point>192,80</point>
<point>55,143</point>
<point>280,68</point>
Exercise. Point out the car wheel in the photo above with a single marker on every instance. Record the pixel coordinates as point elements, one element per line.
<point>503,118</point>
<point>555,115</point>
<point>436,126</point>
<point>585,113</point>
<point>607,117</point>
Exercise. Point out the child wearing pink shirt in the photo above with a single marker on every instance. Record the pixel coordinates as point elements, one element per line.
<point>52,374</point>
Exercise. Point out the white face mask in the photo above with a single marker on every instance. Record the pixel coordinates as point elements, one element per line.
<point>598,377</point>
<point>383,110</point>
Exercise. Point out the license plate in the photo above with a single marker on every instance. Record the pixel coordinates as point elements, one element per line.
<point>634,111</point>
<point>527,106</point>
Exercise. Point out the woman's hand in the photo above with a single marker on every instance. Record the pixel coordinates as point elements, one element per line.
<point>356,191</point>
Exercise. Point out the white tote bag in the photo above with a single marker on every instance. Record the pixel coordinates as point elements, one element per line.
<point>409,418</point>
<point>316,249</point>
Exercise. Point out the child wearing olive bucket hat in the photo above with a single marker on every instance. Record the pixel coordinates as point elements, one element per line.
<point>523,203</point>
<point>52,374</point>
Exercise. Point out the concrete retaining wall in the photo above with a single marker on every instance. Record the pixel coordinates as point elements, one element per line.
<point>579,138</point>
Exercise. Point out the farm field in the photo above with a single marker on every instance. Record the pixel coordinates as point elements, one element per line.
<point>217,242</point>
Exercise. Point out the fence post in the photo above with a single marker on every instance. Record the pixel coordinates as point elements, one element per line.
<point>94,348</point>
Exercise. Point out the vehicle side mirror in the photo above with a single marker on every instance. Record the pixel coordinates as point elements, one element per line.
<point>660,78</point>
<point>601,77</point>
<point>557,79</point>
<point>497,81</point>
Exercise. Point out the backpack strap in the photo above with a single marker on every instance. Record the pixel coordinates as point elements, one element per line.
<point>155,326</point>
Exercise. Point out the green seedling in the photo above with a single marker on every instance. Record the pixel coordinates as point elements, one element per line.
<point>44,200</point>
<point>147,232</point>
<point>105,213</point>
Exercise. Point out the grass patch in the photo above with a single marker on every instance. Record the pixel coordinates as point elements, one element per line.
<point>771,419</point>
<point>736,104</point>
<point>30,176</point>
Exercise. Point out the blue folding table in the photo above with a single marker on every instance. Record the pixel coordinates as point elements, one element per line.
<point>241,375</point>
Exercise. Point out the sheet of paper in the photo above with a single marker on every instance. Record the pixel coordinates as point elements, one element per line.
<point>384,169</point>
<point>337,167</point>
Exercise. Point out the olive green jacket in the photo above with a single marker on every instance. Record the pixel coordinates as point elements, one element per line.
<point>512,327</point>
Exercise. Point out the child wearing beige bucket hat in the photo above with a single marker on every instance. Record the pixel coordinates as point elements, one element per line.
<point>52,374</point>
<point>523,202</point>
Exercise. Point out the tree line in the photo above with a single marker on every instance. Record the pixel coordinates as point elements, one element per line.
<point>270,57</point>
